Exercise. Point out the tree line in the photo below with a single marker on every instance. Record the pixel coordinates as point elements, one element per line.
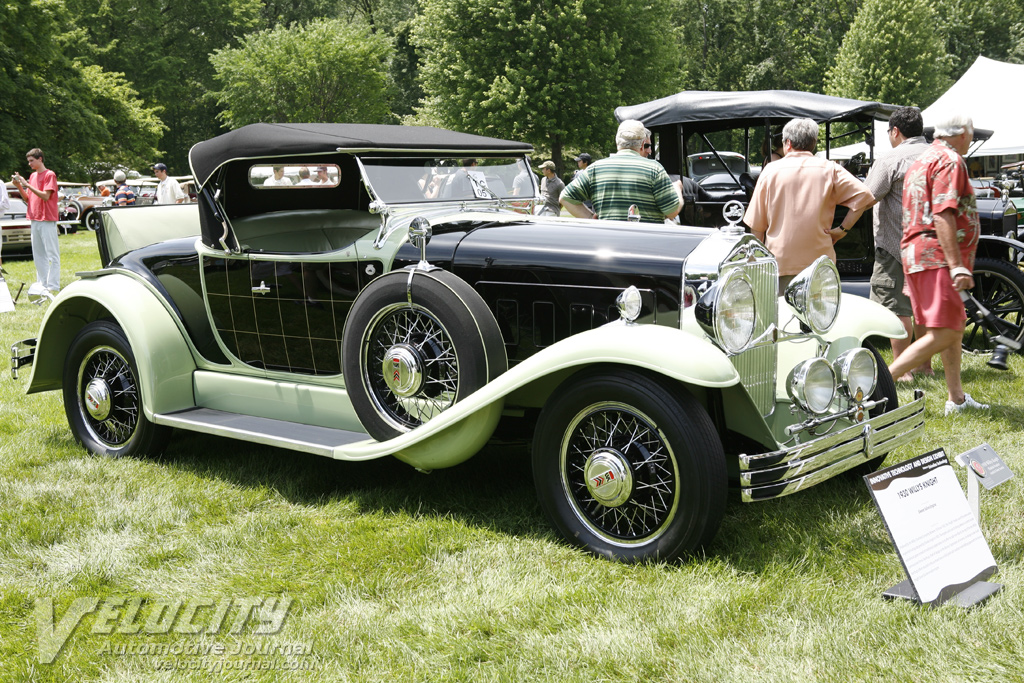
<point>100,85</point>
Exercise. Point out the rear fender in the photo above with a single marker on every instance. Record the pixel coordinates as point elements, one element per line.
<point>994,246</point>
<point>165,362</point>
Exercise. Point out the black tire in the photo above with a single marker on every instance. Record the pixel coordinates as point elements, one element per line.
<point>93,220</point>
<point>884,388</point>
<point>655,440</point>
<point>100,370</point>
<point>72,211</point>
<point>443,343</point>
<point>999,287</point>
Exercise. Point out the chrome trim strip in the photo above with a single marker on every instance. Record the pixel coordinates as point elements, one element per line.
<point>811,463</point>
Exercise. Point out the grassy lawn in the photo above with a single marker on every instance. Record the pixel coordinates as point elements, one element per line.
<point>456,576</point>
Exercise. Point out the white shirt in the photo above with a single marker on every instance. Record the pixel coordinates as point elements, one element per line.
<point>274,182</point>
<point>169,191</point>
<point>5,202</point>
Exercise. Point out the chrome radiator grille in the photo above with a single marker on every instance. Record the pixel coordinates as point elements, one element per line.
<point>757,367</point>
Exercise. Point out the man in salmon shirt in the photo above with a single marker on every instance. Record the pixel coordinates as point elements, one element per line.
<point>794,203</point>
<point>40,193</point>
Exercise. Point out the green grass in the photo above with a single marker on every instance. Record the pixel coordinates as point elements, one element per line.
<point>456,576</point>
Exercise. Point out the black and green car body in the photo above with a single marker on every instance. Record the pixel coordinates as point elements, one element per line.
<point>360,291</point>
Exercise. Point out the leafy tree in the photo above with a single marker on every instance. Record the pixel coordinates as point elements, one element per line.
<point>324,71</point>
<point>163,48</point>
<point>977,27</point>
<point>891,53</point>
<point>76,114</point>
<point>545,72</point>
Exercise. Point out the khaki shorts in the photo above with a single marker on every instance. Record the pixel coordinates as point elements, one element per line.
<point>887,284</point>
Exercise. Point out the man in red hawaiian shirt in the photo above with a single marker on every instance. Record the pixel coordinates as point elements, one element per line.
<point>940,237</point>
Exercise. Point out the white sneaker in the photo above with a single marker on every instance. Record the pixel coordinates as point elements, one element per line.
<point>969,403</point>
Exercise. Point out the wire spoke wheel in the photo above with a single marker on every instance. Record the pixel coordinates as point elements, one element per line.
<point>999,287</point>
<point>108,396</point>
<point>103,397</point>
<point>629,465</point>
<point>409,365</point>
<point>415,344</point>
<point>620,473</point>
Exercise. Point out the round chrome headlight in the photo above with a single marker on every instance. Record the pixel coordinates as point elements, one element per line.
<point>815,294</point>
<point>856,373</point>
<point>812,385</point>
<point>728,312</point>
<point>629,303</point>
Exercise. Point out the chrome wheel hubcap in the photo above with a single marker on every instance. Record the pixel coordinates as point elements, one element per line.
<point>609,478</point>
<point>97,399</point>
<point>403,370</point>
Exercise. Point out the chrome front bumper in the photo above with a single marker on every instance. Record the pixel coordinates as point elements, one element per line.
<point>791,469</point>
<point>22,354</point>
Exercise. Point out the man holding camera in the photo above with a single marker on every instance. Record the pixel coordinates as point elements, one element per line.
<point>40,193</point>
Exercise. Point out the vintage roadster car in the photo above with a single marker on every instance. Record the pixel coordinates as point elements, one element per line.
<point>409,301</point>
<point>727,125</point>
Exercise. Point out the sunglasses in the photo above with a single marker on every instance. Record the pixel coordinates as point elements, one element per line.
<point>647,146</point>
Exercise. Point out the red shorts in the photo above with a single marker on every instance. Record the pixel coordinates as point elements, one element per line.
<point>934,301</point>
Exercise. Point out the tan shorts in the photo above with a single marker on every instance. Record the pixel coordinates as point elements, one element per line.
<point>887,284</point>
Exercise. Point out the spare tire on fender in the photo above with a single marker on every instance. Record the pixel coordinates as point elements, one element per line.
<point>415,343</point>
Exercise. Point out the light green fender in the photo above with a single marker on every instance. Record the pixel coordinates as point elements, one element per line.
<point>861,318</point>
<point>445,440</point>
<point>165,362</point>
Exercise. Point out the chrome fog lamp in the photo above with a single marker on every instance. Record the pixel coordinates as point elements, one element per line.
<point>629,303</point>
<point>728,312</point>
<point>856,373</point>
<point>815,294</point>
<point>812,385</point>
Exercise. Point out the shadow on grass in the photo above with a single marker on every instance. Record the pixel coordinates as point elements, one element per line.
<point>495,490</point>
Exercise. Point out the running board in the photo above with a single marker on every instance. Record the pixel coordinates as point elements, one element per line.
<point>262,430</point>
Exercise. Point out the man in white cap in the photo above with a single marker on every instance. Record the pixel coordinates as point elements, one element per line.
<point>624,179</point>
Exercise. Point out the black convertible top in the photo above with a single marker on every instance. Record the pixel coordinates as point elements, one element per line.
<point>705,105</point>
<point>287,139</point>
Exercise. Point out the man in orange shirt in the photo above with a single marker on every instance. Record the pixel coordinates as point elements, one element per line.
<point>795,200</point>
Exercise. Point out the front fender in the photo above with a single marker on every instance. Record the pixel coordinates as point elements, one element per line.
<point>446,440</point>
<point>164,361</point>
<point>861,318</point>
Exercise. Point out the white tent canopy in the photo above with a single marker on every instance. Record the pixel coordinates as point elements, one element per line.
<point>989,92</point>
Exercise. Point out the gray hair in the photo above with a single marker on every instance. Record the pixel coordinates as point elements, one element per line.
<point>631,135</point>
<point>953,125</point>
<point>802,134</point>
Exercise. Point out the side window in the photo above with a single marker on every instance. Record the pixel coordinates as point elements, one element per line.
<point>311,175</point>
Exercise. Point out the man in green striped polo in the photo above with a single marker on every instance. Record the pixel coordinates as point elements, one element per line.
<point>623,179</point>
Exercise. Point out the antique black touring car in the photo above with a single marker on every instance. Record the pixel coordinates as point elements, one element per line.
<point>405,300</point>
<point>734,132</point>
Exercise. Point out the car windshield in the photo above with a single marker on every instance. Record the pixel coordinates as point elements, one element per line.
<point>407,180</point>
<point>706,164</point>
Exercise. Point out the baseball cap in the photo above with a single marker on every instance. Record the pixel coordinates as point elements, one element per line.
<point>631,129</point>
<point>547,164</point>
<point>119,176</point>
<point>159,167</point>
<point>584,157</point>
<point>321,168</point>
